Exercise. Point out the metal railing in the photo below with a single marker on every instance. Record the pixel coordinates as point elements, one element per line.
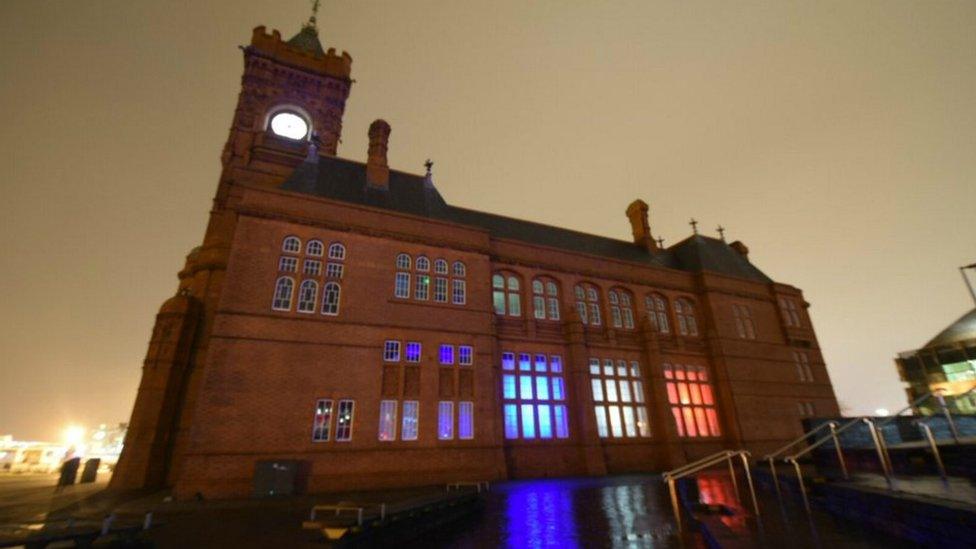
<point>771,458</point>
<point>710,461</point>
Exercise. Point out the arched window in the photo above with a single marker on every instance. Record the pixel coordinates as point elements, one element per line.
<point>403,262</point>
<point>459,269</point>
<point>282,296</point>
<point>459,286</point>
<point>337,251</point>
<point>291,245</point>
<point>307,296</point>
<point>588,304</point>
<point>657,312</point>
<point>440,267</point>
<point>330,299</point>
<point>506,294</point>
<point>685,311</point>
<point>314,247</point>
<point>423,264</point>
<point>545,299</point>
<point>621,309</point>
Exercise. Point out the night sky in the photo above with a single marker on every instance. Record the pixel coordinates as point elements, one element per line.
<point>836,139</point>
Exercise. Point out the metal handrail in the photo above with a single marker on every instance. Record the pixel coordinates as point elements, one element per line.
<point>771,458</point>
<point>708,461</point>
<point>796,441</point>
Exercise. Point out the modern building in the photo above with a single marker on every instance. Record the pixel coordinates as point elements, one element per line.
<point>343,316</point>
<point>946,363</point>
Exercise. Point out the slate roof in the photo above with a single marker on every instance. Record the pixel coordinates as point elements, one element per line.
<point>961,330</point>
<point>345,180</point>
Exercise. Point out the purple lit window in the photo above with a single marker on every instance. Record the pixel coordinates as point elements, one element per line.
<point>465,355</point>
<point>465,420</point>
<point>508,361</point>
<point>445,420</point>
<point>447,354</point>
<point>412,353</point>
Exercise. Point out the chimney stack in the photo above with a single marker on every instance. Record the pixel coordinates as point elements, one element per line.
<point>640,226</point>
<point>377,170</point>
<point>741,248</point>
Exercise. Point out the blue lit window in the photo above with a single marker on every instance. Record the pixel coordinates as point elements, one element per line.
<point>445,420</point>
<point>465,420</point>
<point>465,355</point>
<point>413,351</point>
<point>447,354</point>
<point>529,414</point>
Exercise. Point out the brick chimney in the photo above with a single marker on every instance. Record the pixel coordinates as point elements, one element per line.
<point>377,170</point>
<point>640,226</point>
<point>741,248</point>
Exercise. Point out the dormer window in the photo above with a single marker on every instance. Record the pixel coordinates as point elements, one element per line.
<point>289,125</point>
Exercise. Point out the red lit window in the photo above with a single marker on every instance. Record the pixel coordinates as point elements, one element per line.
<point>692,401</point>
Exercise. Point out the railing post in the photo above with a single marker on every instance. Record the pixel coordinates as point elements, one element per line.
<point>735,483</point>
<point>803,488</point>
<point>840,453</point>
<point>948,415</point>
<point>772,471</point>
<point>674,505</point>
<point>935,448</point>
<point>880,449</point>
<point>752,491</point>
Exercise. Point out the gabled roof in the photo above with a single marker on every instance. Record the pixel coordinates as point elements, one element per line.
<point>963,329</point>
<point>345,180</point>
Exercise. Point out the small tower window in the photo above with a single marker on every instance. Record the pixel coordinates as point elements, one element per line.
<point>289,124</point>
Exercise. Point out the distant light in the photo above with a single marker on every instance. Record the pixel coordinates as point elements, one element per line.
<point>73,435</point>
<point>289,125</point>
<point>881,412</point>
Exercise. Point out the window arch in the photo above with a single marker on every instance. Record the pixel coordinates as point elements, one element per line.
<point>337,251</point>
<point>459,269</point>
<point>401,286</point>
<point>291,245</point>
<point>657,312</point>
<point>545,299</point>
<point>307,296</point>
<point>282,296</point>
<point>685,312</point>
<point>403,262</point>
<point>588,304</point>
<point>423,264</point>
<point>314,248</point>
<point>621,308</point>
<point>506,294</point>
<point>440,267</point>
<point>330,299</point>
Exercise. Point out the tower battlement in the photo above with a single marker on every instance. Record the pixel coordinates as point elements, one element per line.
<point>328,63</point>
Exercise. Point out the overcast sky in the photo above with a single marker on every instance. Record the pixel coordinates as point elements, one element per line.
<point>836,139</point>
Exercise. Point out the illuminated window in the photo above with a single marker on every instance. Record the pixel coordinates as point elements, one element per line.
<point>534,396</point>
<point>545,299</point>
<point>391,351</point>
<point>621,309</point>
<point>506,294</point>
<point>403,262</point>
<point>685,312</point>
<point>412,352</point>
<point>337,251</point>
<point>618,394</point>
<point>289,125</point>
<point>288,264</point>
<point>423,264</point>
<point>388,419</point>
<point>459,295</point>
<point>744,325</point>
<point>790,313</point>
<point>459,269</point>
<point>445,420</point>
<point>282,297</point>
<point>402,286</point>
<point>588,304</point>
<point>447,354</point>
<point>311,267</point>
<point>314,248</point>
<point>692,401</point>
<point>307,296</point>
<point>440,289</point>
<point>802,362</point>
<point>465,420</point>
<point>344,420</point>
<point>421,288</point>
<point>291,245</point>
<point>465,355</point>
<point>322,420</point>
<point>334,270</point>
<point>330,299</point>
<point>440,267</point>
<point>411,416</point>
<point>657,313</point>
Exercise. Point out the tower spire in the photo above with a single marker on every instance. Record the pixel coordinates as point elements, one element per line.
<point>315,11</point>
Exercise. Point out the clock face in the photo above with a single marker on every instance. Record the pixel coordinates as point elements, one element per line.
<point>289,125</point>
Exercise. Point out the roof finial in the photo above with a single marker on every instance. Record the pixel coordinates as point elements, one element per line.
<point>315,11</point>
<point>694,225</point>
<point>429,165</point>
<point>660,242</point>
<point>721,232</point>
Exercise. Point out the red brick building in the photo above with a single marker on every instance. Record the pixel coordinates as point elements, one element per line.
<point>345,316</point>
